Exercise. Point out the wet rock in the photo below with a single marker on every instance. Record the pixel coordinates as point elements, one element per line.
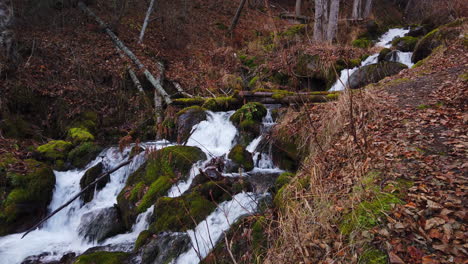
<point>83,154</point>
<point>405,44</point>
<point>104,257</point>
<point>433,40</point>
<point>383,54</point>
<point>261,182</point>
<point>101,224</point>
<point>186,119</point>
<point>240,158</point>
<point>91,175</point>
<point>374,73</point>
<point>164,248</point>
<point>417,31</point>
<point>38,259</point>
<point>248,120</point>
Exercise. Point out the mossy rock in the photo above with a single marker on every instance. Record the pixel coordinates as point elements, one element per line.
<point>363,43</point>
<point>154,179</point>
<point>221,104</point>
<point>250,111</point>
<point>241,158</point>
<point>186,119</point>
<point>313,73</point>
<point>104,257</point>
<point>91,175</point>
<point>185,212</point>
<point>87,120</point>
<point>79,135</point>
<point>405,44</point>
<point>81,155</point>
<point>143,237</point>
<point>283,179</point>
<point>383,54</point>
<point>434,39</point>
<point>55,149</point>
<point>285,149</point>
<point>28,196</point>
<point>189,101</point>
<point>374,73</point>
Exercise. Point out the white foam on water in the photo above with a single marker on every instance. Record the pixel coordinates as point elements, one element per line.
<point>386,39</point>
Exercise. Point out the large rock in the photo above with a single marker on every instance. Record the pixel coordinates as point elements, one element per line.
<point>405,44</point>
<point>24,196</point>
<point>186,119</point>
<point>374,73</point>
<point>164,248</point>
<point>241,158</point>
<point>91,175</point>
<point>98,225</point>
<point>248,120</point>
<point>417,31</point>
<point>154,179</point>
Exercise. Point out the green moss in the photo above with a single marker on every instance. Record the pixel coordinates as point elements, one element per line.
<point>186,109</point>
<point>354,62</point>
<point>169,123</point>
<point>157,189</point>
<point>405,43</point>
<point>189,101</point>
<point>280,94</point>
<point>279,78</point>
<point>368,213</point>
<point>373,256</point>
<point>423,107</point>
<point>79,135</point>
<point>332,96</point>
<point>137,192</point>
<point>142,238</point>
<point>55,149</point>
<point>279,201</point>
<point>464,77</point>
<point>383,53</point>
<point>103,257</point>
<point>250,111</point>
<point>294,30</point>
<point>250,62</point>
<point>219,103</point>
<point>181,213</point>
<point>241,156</point>
<point>83,154</point>
<point>259,240</point>
<point>253,81</point>
<point>283,179</point>
<point>362,43</point>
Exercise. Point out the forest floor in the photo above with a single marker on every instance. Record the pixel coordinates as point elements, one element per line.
<point>430,143</point>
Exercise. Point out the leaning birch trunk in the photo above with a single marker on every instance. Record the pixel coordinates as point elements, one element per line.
<point>318,25</point>
<point>156,82</point>
<point>333,20</point>
<point>356,9</point>
<point>298,7</point>
<point>368,9</point>
<point>145,23</point>
<point>235,20</point>
<point>132,74</point>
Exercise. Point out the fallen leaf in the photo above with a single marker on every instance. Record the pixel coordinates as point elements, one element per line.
<point>394,258</point>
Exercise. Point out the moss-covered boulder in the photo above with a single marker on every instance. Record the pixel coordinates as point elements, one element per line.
<point>363,43</point>
<point>374,73</point>
<point>435,38</point>
<point>55,150</point>
<point>417,31</point>
<point>248,119</point>
<point>383,54</point>
<point>79,135</point>
<point>104,257</point>
<point>91,175</point>
<point>405,44</point>
<point>187,211</point>
<point>285,149</point>
<point>153,179</point>
<point>241,159</point>
<point>82,154</point>
<point>25,196</point>
<point>186,119</point>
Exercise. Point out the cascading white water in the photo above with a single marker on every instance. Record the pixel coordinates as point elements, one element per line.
<point>384,41</point>
<point>207,233</point>
<point>60,235</point>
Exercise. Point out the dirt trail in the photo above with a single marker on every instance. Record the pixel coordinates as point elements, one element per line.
<point>430,121</point>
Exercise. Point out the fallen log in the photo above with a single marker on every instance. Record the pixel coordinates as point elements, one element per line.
<point>156,82</point>
<point>77,195</point>
<point>302,19</point>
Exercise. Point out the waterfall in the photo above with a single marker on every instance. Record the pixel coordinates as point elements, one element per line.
<point>384,41</point>
<point>60,234</point>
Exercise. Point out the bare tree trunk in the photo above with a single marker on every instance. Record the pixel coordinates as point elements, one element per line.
<point>7,37</point>
<point>408,6</point>
<point>318,25</point>
<point>298,7</point>
<point>368,9</point>
<point>333,20</point>
<point>235,20</point>
<point>356,9</point>
<point>325,18</point>
<point>145,23</point>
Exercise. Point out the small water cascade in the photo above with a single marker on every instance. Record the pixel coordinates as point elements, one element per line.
<point>384,41</point>
<point>61,235</point>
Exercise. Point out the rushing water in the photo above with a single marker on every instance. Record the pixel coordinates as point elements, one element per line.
<point>384,41</point>
<point>60,234</point>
